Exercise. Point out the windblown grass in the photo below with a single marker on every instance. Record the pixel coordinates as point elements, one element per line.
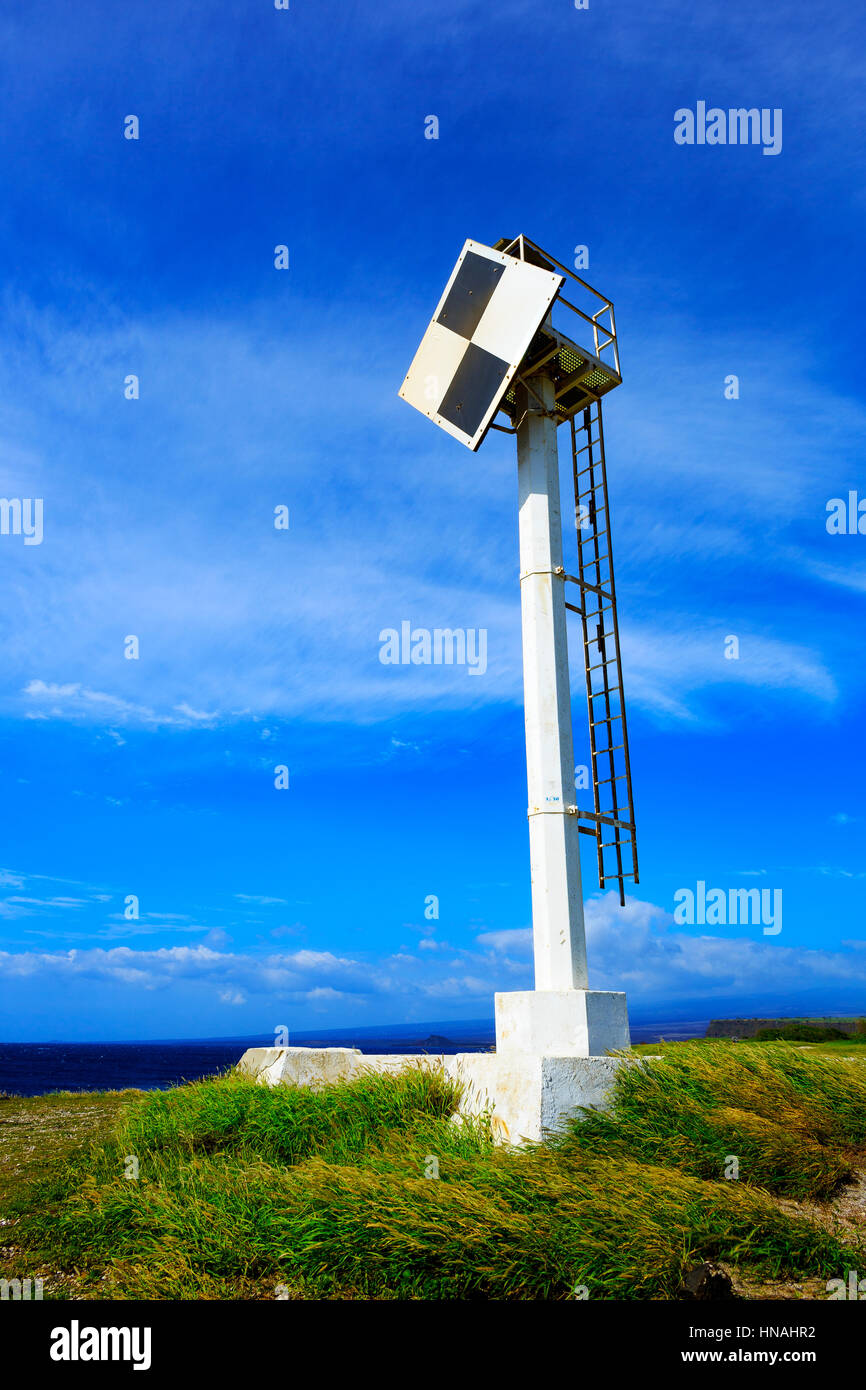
<point>332,1193</point>
<point>283,1125</point>
<point>791,1121</point>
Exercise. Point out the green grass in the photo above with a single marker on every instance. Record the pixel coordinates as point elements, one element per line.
<point>241,1189</point>
<point>790,1120</point>
<point>836,1047</point>
<point>230,1115</point>
<point>40,1136</point>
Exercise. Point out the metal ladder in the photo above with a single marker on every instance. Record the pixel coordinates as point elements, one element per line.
<point>608,735</point>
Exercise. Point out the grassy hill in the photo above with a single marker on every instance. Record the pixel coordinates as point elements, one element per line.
<point>748,1027</point>
<point>748,1155</point>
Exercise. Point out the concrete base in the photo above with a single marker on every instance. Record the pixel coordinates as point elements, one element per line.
<point>526,1095</point>
<point>561,1022</point>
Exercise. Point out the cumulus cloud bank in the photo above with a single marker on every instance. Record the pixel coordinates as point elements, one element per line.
<point>637,949</point>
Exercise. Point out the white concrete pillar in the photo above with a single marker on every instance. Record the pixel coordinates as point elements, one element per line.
<point>557,901</point>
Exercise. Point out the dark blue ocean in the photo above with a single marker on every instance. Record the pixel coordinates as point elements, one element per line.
<point>32,1069</point>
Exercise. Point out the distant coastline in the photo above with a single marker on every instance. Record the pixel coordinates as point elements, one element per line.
<point>34,1068</point>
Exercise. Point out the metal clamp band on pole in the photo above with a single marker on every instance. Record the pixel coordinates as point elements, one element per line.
<point>558,570</point>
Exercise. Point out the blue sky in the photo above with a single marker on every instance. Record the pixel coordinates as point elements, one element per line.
<point>259,387</point>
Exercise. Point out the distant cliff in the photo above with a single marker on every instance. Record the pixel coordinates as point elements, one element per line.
<point>748,1027</point>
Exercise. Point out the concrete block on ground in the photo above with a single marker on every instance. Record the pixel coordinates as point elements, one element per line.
<point>526,1096</point>
<point>561,1022</point>
<point>300,1066</point>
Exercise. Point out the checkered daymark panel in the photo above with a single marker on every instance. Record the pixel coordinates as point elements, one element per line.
<point>470,294</point>
<point>478,336</point>
<point>474,385</point>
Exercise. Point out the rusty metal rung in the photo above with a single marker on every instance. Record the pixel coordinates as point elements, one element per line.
<point>605,636</point>
<point>593,463</point>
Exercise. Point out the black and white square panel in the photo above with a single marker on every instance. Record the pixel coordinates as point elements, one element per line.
<point>490,311</point>
<point>470,293</point>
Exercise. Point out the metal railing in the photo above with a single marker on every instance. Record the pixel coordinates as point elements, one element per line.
<point>598,312</point>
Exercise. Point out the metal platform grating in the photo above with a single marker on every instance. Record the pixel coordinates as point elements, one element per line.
<point>581,373</point>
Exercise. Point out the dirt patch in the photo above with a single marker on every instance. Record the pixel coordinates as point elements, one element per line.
<point>36,1134</point>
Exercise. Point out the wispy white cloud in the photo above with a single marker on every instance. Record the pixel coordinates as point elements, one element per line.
<point>515,939</point>
<point>667,670</point>
<point>259,900</point>
<point>210,619</point>
<point>232,996</point>
<point>851,575</point>
<point>72,700</point>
